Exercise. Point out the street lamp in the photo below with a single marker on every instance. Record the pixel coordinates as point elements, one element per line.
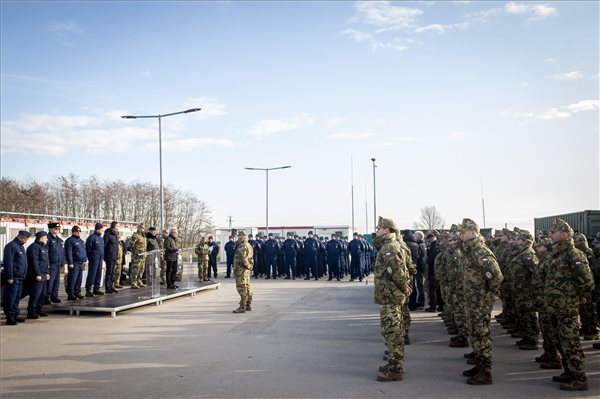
<point>374,194</point>
<point>159,117</point>
<point>267,170</point>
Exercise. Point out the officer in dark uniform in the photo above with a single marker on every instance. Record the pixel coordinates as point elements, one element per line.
<point>230,253</point>
<point>15,267</point>
<point>280,272</point>
<point>334,252</point>
<point>290,254</point>
<point>111,254</point>
<point>76,257</point>
<point>212,256</point>
<point>260,271</point>
<point>94,247</point>
<point>322,257</point>
<point>256,249</point>
<point>56,255</point>
<point>38,272</point>
<point>311,249</point>
<point>299,256</point>
<point>271,248</point>
<point>356,249</point>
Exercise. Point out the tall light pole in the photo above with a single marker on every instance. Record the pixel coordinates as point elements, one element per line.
<point>159,117</point>
<point>374,194</point>
<point>267,170</point>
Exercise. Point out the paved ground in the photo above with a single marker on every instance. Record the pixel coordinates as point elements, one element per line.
<point>304,339</point>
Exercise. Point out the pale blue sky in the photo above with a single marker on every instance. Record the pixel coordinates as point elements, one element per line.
<point>443,94</point>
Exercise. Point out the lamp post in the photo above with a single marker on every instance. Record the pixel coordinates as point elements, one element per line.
<point>267,173</point>
<point>374,195</point>
<point>159,117</point>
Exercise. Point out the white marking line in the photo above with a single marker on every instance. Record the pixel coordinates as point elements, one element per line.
<point>247,371</point>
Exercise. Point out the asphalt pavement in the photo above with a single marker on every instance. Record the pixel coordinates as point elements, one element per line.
<point>303,339</point>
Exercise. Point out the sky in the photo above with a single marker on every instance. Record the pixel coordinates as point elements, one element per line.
<point>456,100</point>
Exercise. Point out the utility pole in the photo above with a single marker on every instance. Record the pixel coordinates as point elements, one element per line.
<point>229,219</point>
<point>352,190</point>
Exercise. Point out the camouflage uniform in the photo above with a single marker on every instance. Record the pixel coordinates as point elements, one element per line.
<point>202,251</point>
<point>459,300</point>
<point>482,278</point>
<point>596,273</point>
<point>243,262</point>
<point>118,266</point>
<point>568,277</point>
<point>521,270</point>
<point>392,288</point>
<point>412,270</point>
<point>587,310</point>
<point>137,245</point>
<point>440,265</point>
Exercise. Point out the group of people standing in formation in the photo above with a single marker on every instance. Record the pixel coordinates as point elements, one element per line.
<point>307,257</point>
<point>36,271</point>
<point>550,285</point>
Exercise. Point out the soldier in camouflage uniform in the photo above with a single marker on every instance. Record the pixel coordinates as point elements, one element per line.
<point>521,270</point>
<point>482,279</point>
<point>243,262</point>
<point>587,310</point>
<point>392,289</point>
<point>596,273</point>
<point>550,359</point>
<point>412,270</point>
<point>441,275</point>
<point>568,279</point>
<point>163,259</point>
<point>202,252</point>
<point>137,246</point>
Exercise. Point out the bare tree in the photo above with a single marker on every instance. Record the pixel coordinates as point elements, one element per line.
<point>431,219</point>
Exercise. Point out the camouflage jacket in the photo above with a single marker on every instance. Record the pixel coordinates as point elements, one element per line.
<point>392,280</point>
<point>452,267</point>
<point>440,265</point>
<point>202,251</point>
<point>596,273</point>
<point>137,244</point>
<point>243,260</point>
<point>568,278</point>
<point>521,269</point>
<point>538,279</point>
<point>482,274</point>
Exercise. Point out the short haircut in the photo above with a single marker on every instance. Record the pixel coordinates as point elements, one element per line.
<point>419,235</point>
<point>173,230</point>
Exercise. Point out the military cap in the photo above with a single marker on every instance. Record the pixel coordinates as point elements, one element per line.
<point>498,233</point>
<point>525,235</point>
<point>152,229</point>
<point>98,226</point>
<point>310,233</point>
<point>40,234</point>
<point>435,233</point>
<point>24,233</point>
<point>443,234</point>
<point>333,235</point>
<point>242,233</point>
<point>356,234</point>
<point>142,225</point>
<point>561,225</point>
<point>468,224</point>
<point>385,223</point>
<point>75,228</point>
<point>249,235</point>
<point>54,225</point>
<point>165,231</point>
<point>290,234</point>
<point>270,234</point>
<point>454,228</point>
<point>580,237</point>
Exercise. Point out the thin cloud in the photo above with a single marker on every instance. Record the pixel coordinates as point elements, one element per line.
<point>585,105</point>
<point>268,127</point>
<point>567,76</point>
<point>551,61</point>
<point>351,136</point>
<point>210,107</point>
<point>64,31</point>
<point>555,113</point>
<point>539,11</point>
<point>335,121</point>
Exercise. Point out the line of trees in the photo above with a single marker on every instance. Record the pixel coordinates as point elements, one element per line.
<point>108,200</point>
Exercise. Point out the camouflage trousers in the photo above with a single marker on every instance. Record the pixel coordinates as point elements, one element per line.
<point>242,283</point>
<point>138,264</point>
<point>525,317</point>
<point>118,268</point>
<point>448,302</point>
<point>203,270</point>
<point>589,317</point>
<point>392,331</point>
<point>546,328</point>
<point>478,316</point>
<point>460,308</point>
<point>564,333</point>
<point>163,271</point>
<point>508,304</point>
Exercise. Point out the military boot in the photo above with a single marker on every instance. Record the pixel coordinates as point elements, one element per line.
<point>564,377</point>
<point>575,385</point>
<point>248,308</point>
<point>388,375</point>
<point>383,368</point>
<point>471,361</point>
<point>471,372</point>
<point>241,309</point>
<point>483,377</point>
<point>596,345</point>
<point>459,343</point>
<point>551,365</point>
<point>470,355</point>
<point>545,357</point>
<point>452,331</point>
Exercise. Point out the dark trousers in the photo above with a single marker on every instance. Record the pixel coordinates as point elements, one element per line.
<point>94,275</point>
<point>109,276</point>
<point>37,296</point>
<point>54,282</point>
<point>333,261</point>
<point>420,280</point>
<point>434,300</point>
<point>271,264</point>
<point>229,265</point>
<point>11,296</point>
<point>171,273</point>
<point>74,280</point>
<point>310,264</point>
<point>290,265</point>
<point>212,264</point>
<point>356,269</point>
